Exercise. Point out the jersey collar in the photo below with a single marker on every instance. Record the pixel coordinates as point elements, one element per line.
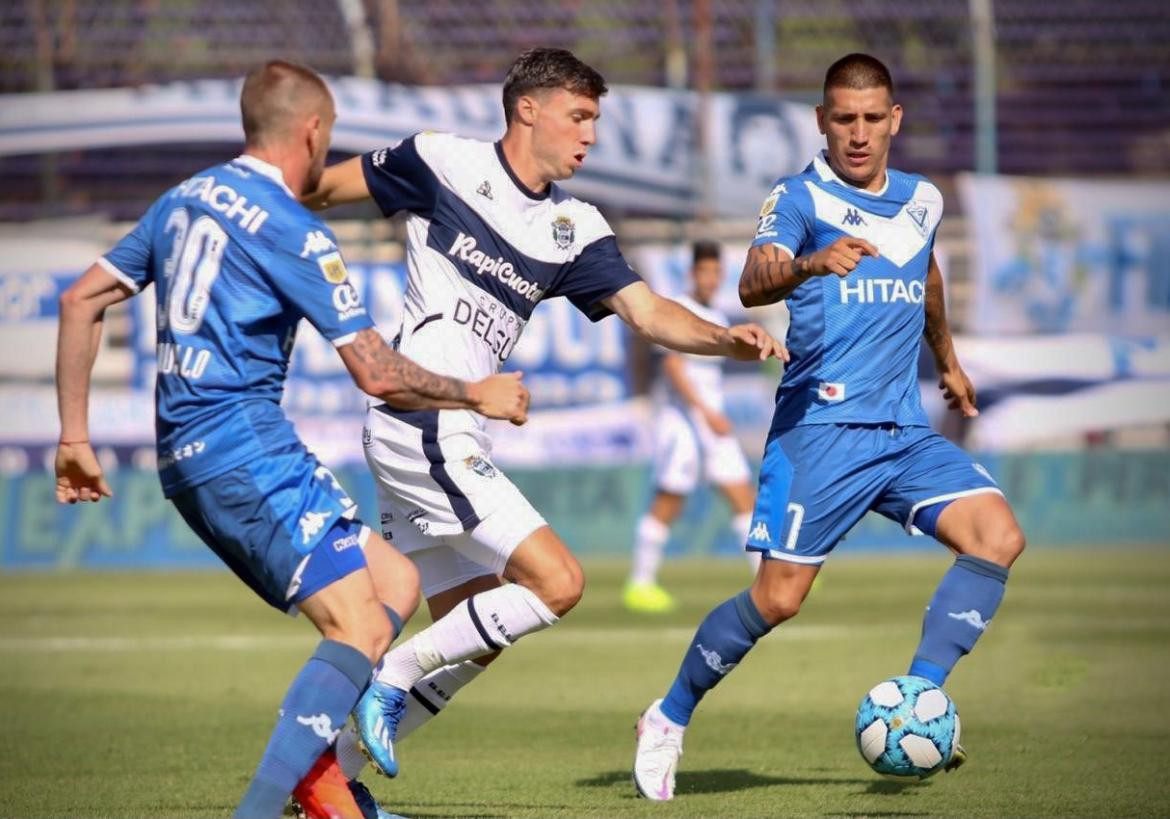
<point>524,189</point>
<point>263,168</point>
<point>827,174</point>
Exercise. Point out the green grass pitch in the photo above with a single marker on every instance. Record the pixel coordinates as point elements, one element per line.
<point>152,695</point>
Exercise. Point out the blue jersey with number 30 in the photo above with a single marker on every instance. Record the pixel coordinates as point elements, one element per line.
<point>236,261</point>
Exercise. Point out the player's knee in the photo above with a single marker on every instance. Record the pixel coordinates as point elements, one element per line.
<point>778,606</point>
<point>1010,546</point>
<point>562,590</point>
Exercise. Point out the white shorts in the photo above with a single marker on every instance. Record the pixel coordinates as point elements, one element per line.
<point>443,503</point>
<point>684,445</point>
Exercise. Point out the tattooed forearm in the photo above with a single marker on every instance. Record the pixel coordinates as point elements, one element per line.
<point>936,332</point>
<point>402,383</point>
<point>770,276</point>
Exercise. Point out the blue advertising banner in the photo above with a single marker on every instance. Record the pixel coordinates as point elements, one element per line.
<point>1061,499</point>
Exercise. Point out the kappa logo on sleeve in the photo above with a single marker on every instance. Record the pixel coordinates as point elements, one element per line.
<point>317,241</point>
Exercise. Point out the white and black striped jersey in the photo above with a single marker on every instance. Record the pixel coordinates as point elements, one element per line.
<point>483,250</point>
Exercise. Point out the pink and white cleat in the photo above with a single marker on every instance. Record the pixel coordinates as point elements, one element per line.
<point>656,760</point>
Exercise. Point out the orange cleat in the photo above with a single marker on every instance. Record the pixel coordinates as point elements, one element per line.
<point>324,792</point>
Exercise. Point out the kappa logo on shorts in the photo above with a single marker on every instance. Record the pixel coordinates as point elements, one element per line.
<point>760,532</point>
<point>311,524</point>
<point>480,466</point>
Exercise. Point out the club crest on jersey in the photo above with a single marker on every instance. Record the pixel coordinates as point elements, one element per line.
<point>333,268</point>
<point>563,232</point>
<point>480,466</point>
<point>918,214</point>
<point>485,190</point>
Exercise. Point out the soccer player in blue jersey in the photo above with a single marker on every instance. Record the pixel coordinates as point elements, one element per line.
<point>849,244</point>
<point>237,262</point>
<point>490,235</point>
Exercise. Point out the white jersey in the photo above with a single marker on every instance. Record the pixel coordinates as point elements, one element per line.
<point>704,372</point>
<point>483,250</point>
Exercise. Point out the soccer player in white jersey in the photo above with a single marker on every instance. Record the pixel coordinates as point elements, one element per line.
<point>692,438</point>
<point>849,244</point>
<point>488,236</point>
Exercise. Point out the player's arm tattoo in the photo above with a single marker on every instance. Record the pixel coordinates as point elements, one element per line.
<point>400,382</point>
<point>935,331</point>
<point>769,275</point>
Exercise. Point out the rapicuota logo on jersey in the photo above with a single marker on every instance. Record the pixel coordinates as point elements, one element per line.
<point>563,231</point>
<point>466,248</point>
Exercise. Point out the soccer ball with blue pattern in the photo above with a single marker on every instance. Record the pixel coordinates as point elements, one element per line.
<point>907,728</point>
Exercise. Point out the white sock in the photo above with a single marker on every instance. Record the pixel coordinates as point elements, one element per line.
<point>487,622</point>
<point>741,525</point>
<point>436,688</point>
<point>648,545</point>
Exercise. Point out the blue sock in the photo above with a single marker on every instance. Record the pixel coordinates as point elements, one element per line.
<point>722,640</point>
<point>314,709</point>
<point>962,607</point>
<point>395,620</point>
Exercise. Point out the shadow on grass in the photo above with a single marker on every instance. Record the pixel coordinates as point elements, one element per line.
<point>718,780</point>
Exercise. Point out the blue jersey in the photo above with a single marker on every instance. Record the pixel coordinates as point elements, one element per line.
<point>854,341</point>
<point>237,261</point>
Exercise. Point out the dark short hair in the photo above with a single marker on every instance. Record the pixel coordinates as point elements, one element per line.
<point>859,72</point>
<point>541,68</point>
<point>273,94</point>
<point>705,249</point>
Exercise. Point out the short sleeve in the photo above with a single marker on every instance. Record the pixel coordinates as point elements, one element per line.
<point>400,179</point>
<point>308,271</point>
<point>596,274</point>
<point>785,218</point>
<point>129,261</point>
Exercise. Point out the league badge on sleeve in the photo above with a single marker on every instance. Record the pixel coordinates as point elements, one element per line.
<point>563,232</point>
<point>333,268</point>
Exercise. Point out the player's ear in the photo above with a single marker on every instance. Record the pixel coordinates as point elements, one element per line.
<point>314,134</point>
<point>526,109</point>
<point>821,118</point>
<point>895,119</point>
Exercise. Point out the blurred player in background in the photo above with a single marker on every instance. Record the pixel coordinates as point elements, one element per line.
<point>849,244</point>
<point>692,436</point>
<point>488,237</point>
<point>236,262</point>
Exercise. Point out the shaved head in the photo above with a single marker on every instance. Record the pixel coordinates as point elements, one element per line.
<point>278,97</point>
<point>858,72</point>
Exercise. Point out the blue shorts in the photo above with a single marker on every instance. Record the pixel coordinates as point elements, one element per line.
<point>282,524</point>
<point>817,481</point>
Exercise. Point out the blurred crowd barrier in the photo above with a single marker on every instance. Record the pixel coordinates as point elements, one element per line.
<point>1062,499</point>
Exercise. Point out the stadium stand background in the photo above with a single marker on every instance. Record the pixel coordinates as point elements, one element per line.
<point>1095,75</point>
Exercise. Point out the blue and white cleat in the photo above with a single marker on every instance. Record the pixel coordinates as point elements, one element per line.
<point>369,806</point>
<point>377,715</point>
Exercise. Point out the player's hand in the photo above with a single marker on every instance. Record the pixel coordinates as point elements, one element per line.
<point>751,342</point>
<point>502,396</point>
<point>717,422</point>
<point>958,391</point>
<point>841,257</point>
<point>79,475</point>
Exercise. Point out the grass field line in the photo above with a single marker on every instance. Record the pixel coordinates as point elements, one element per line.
<point>252,642</point>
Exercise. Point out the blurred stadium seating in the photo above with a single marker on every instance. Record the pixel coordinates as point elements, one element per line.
<point>1081,86</point>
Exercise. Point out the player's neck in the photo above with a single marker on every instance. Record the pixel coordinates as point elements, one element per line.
<point>874,184</point>
<point>293,171</point>
<point>522,162</point>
